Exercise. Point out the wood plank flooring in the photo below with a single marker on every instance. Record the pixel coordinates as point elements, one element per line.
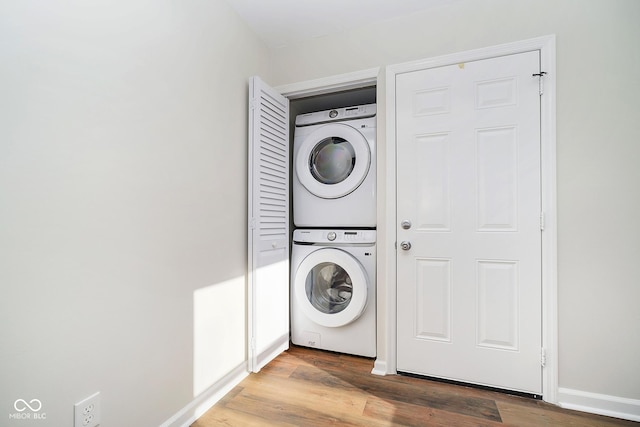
<point>305,387</point>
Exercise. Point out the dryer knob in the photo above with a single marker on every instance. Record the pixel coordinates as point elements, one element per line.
<point>333,114</point>
<point>331,236</point>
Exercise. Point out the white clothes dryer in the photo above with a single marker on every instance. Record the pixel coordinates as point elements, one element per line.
<point>334,168</point>
<point>333,292</point>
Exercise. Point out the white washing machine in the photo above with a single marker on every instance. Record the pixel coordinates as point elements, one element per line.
<point>334,168</point>
<point>333,292</point>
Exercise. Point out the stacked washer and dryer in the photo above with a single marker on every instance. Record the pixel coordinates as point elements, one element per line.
<point>333,255</point>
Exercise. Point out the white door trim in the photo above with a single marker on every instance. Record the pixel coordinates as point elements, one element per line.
<point>547,47</point>
<point>347,81</point>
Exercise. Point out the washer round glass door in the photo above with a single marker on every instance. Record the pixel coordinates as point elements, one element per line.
<point>330,287</point>
<point>333,161</point>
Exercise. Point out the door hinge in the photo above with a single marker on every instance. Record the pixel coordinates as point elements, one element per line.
<point>543,357</point>
<point>252,223</point>
<point>541,221</point>
<point>252,103</point>
<point>540,76</point>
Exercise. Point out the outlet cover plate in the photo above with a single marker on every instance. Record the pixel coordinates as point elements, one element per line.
<point>87,412</point>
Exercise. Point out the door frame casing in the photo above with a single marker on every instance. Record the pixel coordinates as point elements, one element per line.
<point>546,45</point>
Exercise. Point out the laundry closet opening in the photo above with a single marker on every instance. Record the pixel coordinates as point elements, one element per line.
<point>272,114</point>
<point>333,246</point>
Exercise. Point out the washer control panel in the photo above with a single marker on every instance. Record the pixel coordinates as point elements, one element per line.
<point>334,236</point>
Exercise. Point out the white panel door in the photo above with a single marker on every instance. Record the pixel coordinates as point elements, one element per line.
<point>468,177</point>
<point>268,235</point>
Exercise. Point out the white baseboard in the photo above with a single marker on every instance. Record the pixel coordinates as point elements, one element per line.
<point>379,367</point>
<point>601,404</point>
<point>201,404</point>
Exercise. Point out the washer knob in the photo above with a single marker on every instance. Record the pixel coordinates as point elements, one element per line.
<point>331,236</point>
<point>333,114</point>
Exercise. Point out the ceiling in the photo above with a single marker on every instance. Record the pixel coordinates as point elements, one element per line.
<point>284,22</point>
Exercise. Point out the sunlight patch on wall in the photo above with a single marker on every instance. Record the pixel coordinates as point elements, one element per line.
<point>218,332</point>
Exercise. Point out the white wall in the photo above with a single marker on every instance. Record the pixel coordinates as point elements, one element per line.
<point>122,204</point>
<point>598,150</point>
<point>123,186</point>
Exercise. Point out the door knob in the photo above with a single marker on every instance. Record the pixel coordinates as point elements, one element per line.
<point>406,224</point>
<point>405,245</point>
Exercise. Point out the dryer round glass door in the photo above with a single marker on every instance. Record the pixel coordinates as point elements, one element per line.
<point>333,161</point>
<point>330,287</point>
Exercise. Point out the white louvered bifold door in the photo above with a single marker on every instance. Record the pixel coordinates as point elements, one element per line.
<point>268,293</point>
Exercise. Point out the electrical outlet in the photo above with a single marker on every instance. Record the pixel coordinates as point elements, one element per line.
<point>87,412</point>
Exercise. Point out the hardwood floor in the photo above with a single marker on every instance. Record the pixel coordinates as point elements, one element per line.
<point>305,387</point>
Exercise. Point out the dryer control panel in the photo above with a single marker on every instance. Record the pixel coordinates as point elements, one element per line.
<point>334,236</point>
<point>348,113</point>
